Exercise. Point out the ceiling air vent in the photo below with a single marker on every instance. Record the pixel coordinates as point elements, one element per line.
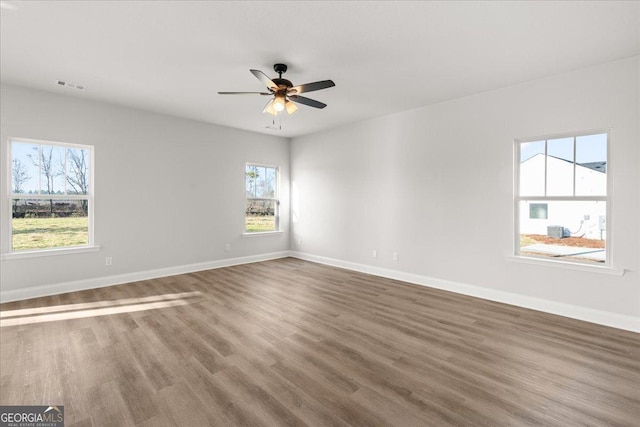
<point>70,85</point>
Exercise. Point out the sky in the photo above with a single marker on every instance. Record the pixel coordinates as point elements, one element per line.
<point>589,148</point>
<point>22,150</point>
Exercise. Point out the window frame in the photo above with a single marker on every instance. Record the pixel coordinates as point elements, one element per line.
<point>608,199</point>
<point>275,199</point>
<point>7,251</point>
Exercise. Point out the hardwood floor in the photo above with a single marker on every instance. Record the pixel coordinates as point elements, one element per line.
<point>289,342</point>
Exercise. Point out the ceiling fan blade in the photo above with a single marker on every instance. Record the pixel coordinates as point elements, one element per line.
<point>264,79</point>
<point>310,87</point>
<point>307,101</point>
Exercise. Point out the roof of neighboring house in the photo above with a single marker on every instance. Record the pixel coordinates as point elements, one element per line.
<point>596,166</point>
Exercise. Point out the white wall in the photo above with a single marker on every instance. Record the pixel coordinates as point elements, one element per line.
<point>435,184</point>
<point>168,191</point>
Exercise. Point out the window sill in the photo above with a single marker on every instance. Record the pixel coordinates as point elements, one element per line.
<point>48,252</point>
<point>262,233</point>
<point>567,265</point>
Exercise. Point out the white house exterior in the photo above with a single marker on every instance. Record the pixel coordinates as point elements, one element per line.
<point>582,218</point>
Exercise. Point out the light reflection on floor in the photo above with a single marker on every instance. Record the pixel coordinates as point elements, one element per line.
<point>92,309</point>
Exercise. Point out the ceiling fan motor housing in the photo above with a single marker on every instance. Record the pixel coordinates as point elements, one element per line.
<point>282,82</point>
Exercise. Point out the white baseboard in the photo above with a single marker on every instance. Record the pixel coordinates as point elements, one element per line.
<point>99,282</point>
<point>600,317</point>
<point>619,321</point>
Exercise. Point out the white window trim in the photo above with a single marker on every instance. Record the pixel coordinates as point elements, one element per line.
<point>261,233</point>
<point>66,250</point>
<point>278,230</point>
<point>607,267</point>
<point>568,265</point>
<point>7,252</point>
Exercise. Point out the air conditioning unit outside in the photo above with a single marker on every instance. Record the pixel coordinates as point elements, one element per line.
<point>557,231</point>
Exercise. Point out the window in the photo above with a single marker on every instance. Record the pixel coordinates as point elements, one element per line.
<point>51,195</point>
<point>261,190</point>
<point>561,198</point>
<point>538,211</point>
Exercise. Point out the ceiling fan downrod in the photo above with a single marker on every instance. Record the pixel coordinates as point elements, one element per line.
<point>280,69</point>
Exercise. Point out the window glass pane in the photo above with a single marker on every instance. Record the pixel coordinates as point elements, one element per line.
<point>591,169</point>
<point>560,167</point>
<point>260,215</point>
<point>252,175</point>
<point>52,160</point>
<point>77,171</point>
<point>42,224</point>
<point>572,231</point>
<point>261,210</point>
<point>266,183</point>
<point>532,168</point>
<point>25,168</point>
<point>538,211</point>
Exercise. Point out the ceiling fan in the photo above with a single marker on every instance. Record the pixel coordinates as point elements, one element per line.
<point>284,93</point>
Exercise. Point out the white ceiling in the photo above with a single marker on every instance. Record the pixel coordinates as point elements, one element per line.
<point>174,56</point>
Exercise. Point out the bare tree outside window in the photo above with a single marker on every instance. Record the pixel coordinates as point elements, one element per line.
<point>77,173</point>
<point>20,175</point>
<point>44,160</point>
<point>252,176</point>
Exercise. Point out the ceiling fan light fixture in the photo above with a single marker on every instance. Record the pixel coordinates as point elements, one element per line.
<point>291,107</point>
<point>269,108</point>
<point>278,102</point>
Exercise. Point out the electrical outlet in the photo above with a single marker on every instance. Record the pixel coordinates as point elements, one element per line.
<point>395,256</point>
<point>374,253</point>
<point>227,247</point>
<point>299,242</point>
<point>108,261</point>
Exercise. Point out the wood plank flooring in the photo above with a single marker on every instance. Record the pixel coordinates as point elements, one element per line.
<point>288,342</point>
